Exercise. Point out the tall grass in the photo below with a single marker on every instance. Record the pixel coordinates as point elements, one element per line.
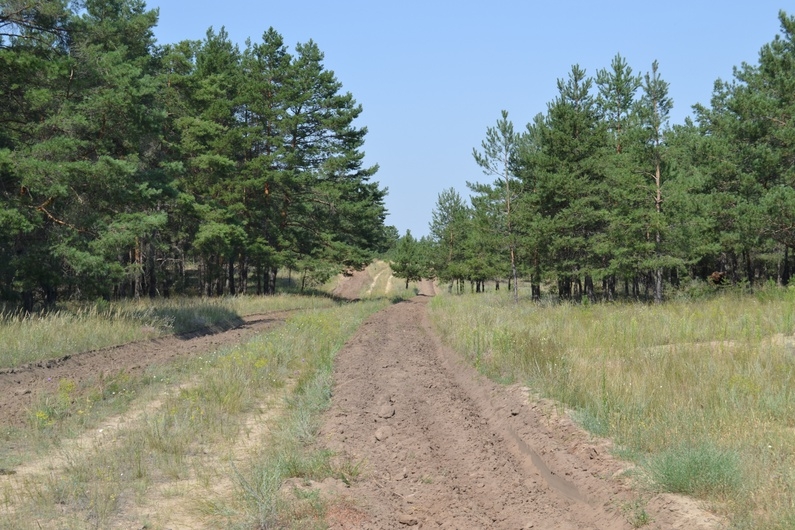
<point>700,393</point>
<point>77,328</point>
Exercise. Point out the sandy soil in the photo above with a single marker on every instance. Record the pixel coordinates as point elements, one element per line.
<point>440,446</point>
<point>350,286</point>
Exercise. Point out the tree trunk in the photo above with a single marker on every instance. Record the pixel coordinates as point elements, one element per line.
<point>138,263</point>
<point>50,295</point>
<point>272,280</point>
<point>244,274</point>
<point>513,271</point>
<point>658,272</point>
<point>231,275</point>
<point>151,269</point>
<point>218,276</point>
<point>658,285</point>
<point>589,289</point>
<point>27,300</point>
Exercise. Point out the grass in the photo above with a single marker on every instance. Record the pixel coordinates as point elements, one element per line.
<point>195,418</point>
<point>77,328</point>
<point>701,394</point>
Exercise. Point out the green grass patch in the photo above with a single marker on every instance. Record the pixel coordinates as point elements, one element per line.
<point>703,471</point>
<point>289,450</point>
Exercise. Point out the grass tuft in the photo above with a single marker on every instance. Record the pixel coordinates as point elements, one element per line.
<point>190,411</point>
<point>703,471</point>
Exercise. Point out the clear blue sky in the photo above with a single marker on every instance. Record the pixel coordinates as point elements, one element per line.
<point>433,75</point>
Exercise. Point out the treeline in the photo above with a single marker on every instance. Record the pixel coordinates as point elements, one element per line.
<point>601,197</point>
<point>123,162</point>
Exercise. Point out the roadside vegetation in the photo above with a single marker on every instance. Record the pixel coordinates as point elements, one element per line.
<point>83,327</point>
<point>697,393</point>
<point>213,436</point>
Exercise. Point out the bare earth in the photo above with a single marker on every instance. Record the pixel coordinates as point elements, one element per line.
<point>438,445</point>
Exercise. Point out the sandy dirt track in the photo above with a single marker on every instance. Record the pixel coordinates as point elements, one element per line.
<point>440,446</point>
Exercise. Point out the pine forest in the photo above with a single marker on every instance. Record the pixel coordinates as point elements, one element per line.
<point>131,169</point>
<point>600,197</point>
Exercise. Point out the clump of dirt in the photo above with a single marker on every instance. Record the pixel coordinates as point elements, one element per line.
<point>440,446</point>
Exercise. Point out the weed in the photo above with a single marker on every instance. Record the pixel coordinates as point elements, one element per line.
<point>636,514</point>
<point>29,338</point>
<point>205,416</point>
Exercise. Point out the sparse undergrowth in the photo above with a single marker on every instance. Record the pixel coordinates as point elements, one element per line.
<point>701,394</point>
<point>196,420</point>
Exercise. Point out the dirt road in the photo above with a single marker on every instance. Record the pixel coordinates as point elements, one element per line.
<point>439,446</point>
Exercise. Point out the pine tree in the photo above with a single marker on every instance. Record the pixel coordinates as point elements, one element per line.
<point>407,260</point>
<point>498,158</point>
<point>84,147</point>
<point>654,109</point>
<point>568,170</point>
<point>309,196</point>
<point>764,99</point>
<point>748,153</point>
<point>627,193</point>
<point>449,228</point>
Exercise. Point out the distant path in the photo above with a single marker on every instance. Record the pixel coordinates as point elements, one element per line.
<point>352,285</point>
